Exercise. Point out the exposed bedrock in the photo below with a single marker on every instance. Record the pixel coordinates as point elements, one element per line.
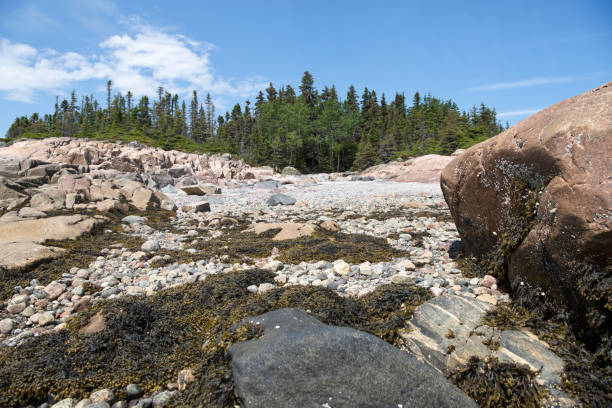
<point>535,203</point>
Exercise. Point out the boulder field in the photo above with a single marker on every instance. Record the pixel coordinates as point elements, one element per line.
<point>535,203</point>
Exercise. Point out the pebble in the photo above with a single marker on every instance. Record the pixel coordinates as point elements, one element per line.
<point>150,246</point>
<point>46,318</point>
<point>65,403</point>
<point>103,395</point>
<point>54,289</point>
<point>162,398</point>
<point>133,391</point>
<point>83,403</point>
<point>341,268</point>
<point>347,205</point>
<point>6,326</point>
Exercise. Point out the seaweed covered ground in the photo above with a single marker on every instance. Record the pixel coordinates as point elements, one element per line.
<point>148,340</point>
<point>492,384</point>
<point>236,245</point>
<point>81,252</point>
<point>587,375</point>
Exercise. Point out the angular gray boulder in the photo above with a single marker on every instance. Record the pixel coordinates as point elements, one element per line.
<point>301,362</point>
<point>280,199</point>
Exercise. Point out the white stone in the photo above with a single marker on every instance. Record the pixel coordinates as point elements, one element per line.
<point>65,403</point>
<point>264,287</point>
<point>342,268</point>
<point>6,326</point>
<point>273,266</point>
<point>150,246</point>
<point>45,318</point>
<point>365,268</point>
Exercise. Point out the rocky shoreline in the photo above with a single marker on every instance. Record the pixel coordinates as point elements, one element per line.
<point>157,278</point>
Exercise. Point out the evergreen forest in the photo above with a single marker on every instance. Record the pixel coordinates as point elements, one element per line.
<point>314,130</point>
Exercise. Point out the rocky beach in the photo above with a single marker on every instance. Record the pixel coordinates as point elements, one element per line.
<point>137,277</point>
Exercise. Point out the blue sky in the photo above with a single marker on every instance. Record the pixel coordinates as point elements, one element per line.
<point>517,56</point>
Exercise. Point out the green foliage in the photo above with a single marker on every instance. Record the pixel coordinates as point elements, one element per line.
<point>313,131</point>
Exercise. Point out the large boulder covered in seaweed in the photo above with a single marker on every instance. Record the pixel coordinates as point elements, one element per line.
<point>536,203</point>
<point>301,362</point>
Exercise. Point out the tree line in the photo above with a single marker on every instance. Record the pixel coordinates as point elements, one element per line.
<point>312,130</point>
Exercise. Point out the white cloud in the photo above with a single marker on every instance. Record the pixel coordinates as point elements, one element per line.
<point>139,63</point>
<point>26,70</point>
<point>518,113</point>
<point>523,83</point>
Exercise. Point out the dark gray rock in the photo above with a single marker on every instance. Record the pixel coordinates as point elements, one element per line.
<point>133,391</point>
<point>144,403</point>
<point>162,398</point>
<point>280,199</point>
<point>301,362</point>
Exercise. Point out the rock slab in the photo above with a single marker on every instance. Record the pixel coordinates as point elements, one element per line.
<point>301,362</point>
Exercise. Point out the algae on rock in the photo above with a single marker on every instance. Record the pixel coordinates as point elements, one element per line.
<point>148,340</point>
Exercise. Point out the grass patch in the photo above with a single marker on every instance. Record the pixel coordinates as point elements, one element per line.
<point>148,340</point>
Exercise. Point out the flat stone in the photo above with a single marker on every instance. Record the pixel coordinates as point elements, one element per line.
<point>291,230</point>
<point>22,255</point>
<point>301,362</point>
<point>201,189</point>
<point>523,347</point>
<point>143,198</point>
<point>487,298</point>
<point>101,404</point>
<point>46,318</point>
<point>53,228</point>
<point>273,266</point>
<point>441,322</point>
<point>280,199</point>
<point>54,290</point>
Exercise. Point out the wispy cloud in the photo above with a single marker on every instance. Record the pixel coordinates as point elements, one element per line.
<point>139,63</point>
<point>518,113</point>
<point>525,83</point>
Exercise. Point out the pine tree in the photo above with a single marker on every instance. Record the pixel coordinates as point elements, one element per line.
<point>307,89</point>
<point>271,93</point>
